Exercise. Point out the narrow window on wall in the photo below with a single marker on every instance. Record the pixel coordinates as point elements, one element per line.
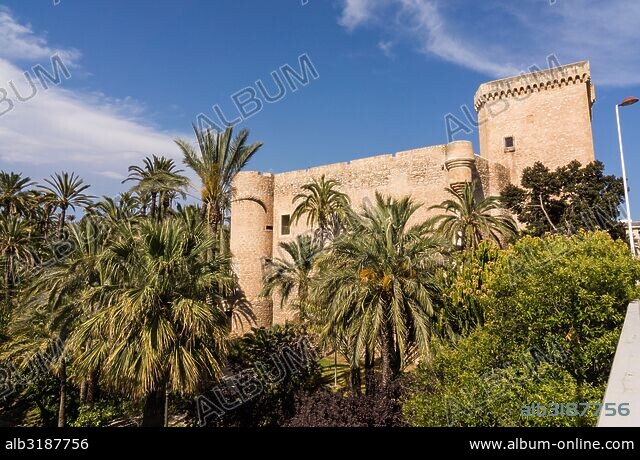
<point>285,225</point>
<point>509,144</point>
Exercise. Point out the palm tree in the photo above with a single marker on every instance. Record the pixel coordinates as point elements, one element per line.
<point>291,274</point>
<point>323,205</point>
<point>467,220</point>
<point>218,158</point>
<point>57,300</point>
<point>63,192</point>
<point>13,193</point>
<point>378,283</point>
<point>15,246</point>
<point>160,327</point>
<point>159,178</point>
<point>116,211</point>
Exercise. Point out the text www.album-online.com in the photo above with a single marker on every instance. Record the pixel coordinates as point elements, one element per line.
<point>573,444</point>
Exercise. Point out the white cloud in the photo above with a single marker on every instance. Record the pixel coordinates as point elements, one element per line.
<point>357,12</point>
<point>112,175</point>
<point>19,42</point>
<point>56,129</point>
<point>386,46</point>
<point>501,38</point>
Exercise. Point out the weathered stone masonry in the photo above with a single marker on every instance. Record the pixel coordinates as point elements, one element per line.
<point>546,115</point>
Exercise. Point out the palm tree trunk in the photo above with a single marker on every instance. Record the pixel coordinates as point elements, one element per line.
<point>63,216</point>
<point>7,280</point>
<point>215,219</point>
<point>92,389</point>
<point>166,204</point>
<point>355,380</point>
<point>369,374</point>
<point>153,414</point>
<point>83,392</point>
<point>7,276</point>
<point>47,223</point>
<point>387,354</point>
<point>62,416</point>
<point>153,205</point>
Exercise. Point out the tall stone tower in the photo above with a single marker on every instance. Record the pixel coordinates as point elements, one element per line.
<point>252,246</point>
<point>542,116</point>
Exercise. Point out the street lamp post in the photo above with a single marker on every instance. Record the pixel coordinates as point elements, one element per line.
<point>628,101</point>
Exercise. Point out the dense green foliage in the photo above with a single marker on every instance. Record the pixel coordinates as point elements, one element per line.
<point>117,311</point>
<point>553,311</point>
<point>566,200</point>
<point>285,364</point>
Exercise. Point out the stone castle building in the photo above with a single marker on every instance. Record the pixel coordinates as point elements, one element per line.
<point>542,116</point>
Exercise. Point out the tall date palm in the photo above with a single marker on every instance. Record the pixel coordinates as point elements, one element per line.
<point>290,275</point>
<point>217,159</point>
<point>13,192</point>
<point>64,191</point>
<point>323,205</point>
<point>468,220</point>
<point>378,283</point>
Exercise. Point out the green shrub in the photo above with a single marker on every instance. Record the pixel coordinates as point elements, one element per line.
<point>103,413</point>
<point>553,311</point>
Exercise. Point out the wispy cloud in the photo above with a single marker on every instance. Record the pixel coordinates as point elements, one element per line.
<point>19,42</point>
<point>502,38</point>
<point>90,133</point>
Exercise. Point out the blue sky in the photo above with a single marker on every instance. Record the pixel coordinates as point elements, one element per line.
<point>389,70</point>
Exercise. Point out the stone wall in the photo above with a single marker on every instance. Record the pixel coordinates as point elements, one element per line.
<point>420,173</point>
<point>548,114</point>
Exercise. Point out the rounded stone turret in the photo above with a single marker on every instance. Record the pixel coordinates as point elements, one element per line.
<point>459,162</point>
<point>251,246</point>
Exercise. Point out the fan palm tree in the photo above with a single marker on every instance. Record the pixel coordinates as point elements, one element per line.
<point>57,301</point>
<point>159,178</point>
<point>323,205</point>
<point>377,283</point>
<point>65,191</point>
<point>160,326</point>
<point>217,159</point>
<point>15,246</point>
<point>13,193</point>
<point>467,220</point>
<point>291,274</point>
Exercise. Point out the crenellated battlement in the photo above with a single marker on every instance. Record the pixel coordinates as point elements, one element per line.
<point>520,85</point>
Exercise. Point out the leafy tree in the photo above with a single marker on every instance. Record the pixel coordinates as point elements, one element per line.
<point>323,205</point>
<point>554,308</point>
<point>266,356</point>
<point>378,283</point>
<point>217,159</point>
<point>291,275</point>
<point>463,287</point>
<point>468,220</point>
<point>566,200</point>
<point>160,326</point>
